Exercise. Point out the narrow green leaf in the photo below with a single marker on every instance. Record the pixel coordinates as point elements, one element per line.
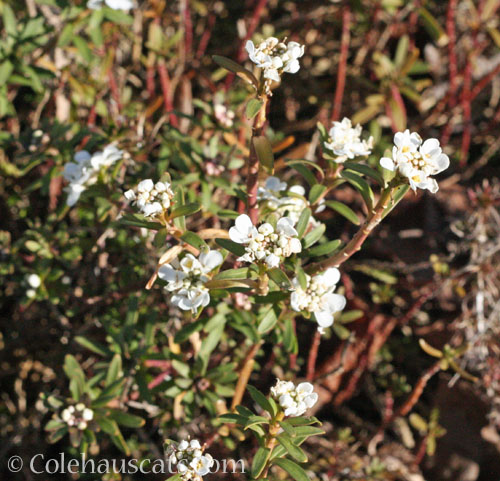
<point>361,186</point>
<point>344,210</point>
<point>316,192</point>
<point>279,278</point>
<point>114,369</point>
<point>231,246</point>
<point>293,469</point>
<point>126,419</point>
<point>184,210</point>
<point>93,346</point>
<point>261,400</point>
<point>313,236</point>
<point>236,68</point>
<point>253,107</point>
<point>138,220</point>
<point>194,240</point>
<point>264,152</point>
<point>365,170</point>
<point>294,451</point>
<point>259,461</point>
<point>324,249</point>
<point>303,221</point>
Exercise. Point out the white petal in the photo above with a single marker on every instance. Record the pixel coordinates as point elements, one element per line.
<point>387,163</point>
<point>210,260</point>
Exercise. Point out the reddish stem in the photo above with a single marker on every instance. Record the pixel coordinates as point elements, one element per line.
<point>205,38</point>
<point>341,72</point>
<point>115,93</point>
<point>188,29</point>
<point>450,31</point>
<point>466,106</point>
<point>166,89</point>
<point>313,355</point>
<point>150,80</point>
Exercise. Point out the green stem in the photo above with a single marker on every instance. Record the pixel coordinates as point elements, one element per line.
<point>354,245</point>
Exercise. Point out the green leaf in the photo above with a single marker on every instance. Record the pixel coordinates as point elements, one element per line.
<point>210,343</point>
<point>83,48</point>
<point>236,68</point>
<point>184,210</point>
<point>301,276</point>
<point>138,220</point>
<point>233,418</point>
<point>259,461</point>
<point>117,16</point>
<point>194,240</point>
<point>313,236</point>
<point>307,163</point>
<point>114,369</point>
<point>186,331</point>
<point>343,210</point>
<point>9,20</point>
<point>264,153</point>
<point>76,376</point>
<point>303,221</point>
<point>304,172</point>
<point>366,170</point>
<point>255,420</point>
<point>306,431</point>
<point>324,249</point>
<point>361,186</point>
<point>294,451</point>
<point>93,346</point>
<point>261,400</point>
<point>231,246</point>
<point>279,278</point>
<point>293,469</point>
<point>268,321</point>
<point>126,419</point>
<point>341,331</point>
<point>253,107</point>
<point>109,426</point>
<point>316,192</point>
<point>241,273</point>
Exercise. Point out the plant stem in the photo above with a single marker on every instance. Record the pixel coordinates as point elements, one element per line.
<point>274,428</point>
<point>313,355</point>
<point>354,245</point>
<point>245,372</point>
<point>253,163</point>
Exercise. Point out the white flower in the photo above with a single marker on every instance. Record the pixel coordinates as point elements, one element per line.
<point>78,416</point>
<point>294,400</point>
<point>318,297</point>
<point>151,199</point>
<point>186,279</point>
<point>224,116</point>
<point>275,57</point>
<point>85,168</point>
<point>34,280</point>
<point>265,244</point>
<point>114,4</point>
<point>192,463</point>
<point>416,160</point>
<point>290,206</point>
<point>345,141</point>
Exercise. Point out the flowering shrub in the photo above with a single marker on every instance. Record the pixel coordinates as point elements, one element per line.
<point>185,235</point>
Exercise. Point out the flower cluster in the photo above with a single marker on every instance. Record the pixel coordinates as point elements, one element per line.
<point>416,160</point>
<point>265,244</point>
<point>151,199</point>
<point>114,4</point>
<point>186,279</point>
<point>291,206</point>
<point>275,58</point>
<point>77,416</point>
<point>34,282</point>
<point>294,400</point>
<point>345,141</point>
<point>223,115</point>
<point>85,168</point>
<point>318,297</point>
<point>190,460</point>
